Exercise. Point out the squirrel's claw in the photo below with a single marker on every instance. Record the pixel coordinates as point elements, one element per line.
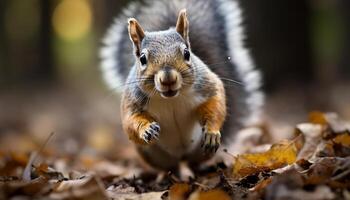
<point>151,133</point>
<point>211,142</point>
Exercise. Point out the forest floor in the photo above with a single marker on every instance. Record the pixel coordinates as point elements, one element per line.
<point>68,144</point>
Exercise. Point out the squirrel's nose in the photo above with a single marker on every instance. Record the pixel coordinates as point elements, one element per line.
<point>168,76</point>
<point>168,80</point>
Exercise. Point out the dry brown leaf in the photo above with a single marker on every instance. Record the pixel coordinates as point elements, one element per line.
<point>135,196</point>
<point>277,156</point>
<point>331,121</point>
<point>324,169</point>
<point>290,185</point>
<point>337,125</point>
<point>119,189</point>
<point>320,193</point>
<point>303,164</point>
<point>327,137</point>
<point>43,168</point>
<point>30,188</point>
<point>209,195</point>
<point>71,184</point>
<point>20,158</point>
<point>312,136</point>
<point>85,188</point>
<point>179,191</point>
<point>261,185</point>
<point>122,192</point>
<point>320,172</point>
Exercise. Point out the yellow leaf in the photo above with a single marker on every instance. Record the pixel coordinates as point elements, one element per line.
<point>343,139</point>
<point>179,191</point>
<point>277,156</point>
<point>317,117</point>
<point>209,195</point>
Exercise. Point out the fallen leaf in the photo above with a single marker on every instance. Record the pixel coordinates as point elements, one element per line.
<point>291,185</point>
<point>331,121</point>
<point>312,134</point>
<point>122,192</point>
<point>246,139</point>
<point>29,188</point>
<point>342,172</point>
<point>320,171</point>
<point>304,164</point>
<point>88,187</point>
<point>209,195</point>
<point>320,193</point>
<point>343,139</point>
<point>277,156</point>
<point>328,169</point>
<point>261,185</point>
<point>71,184</point>
<point>12,164</point>
<point>317,117</point>
<point>325,149</point>
<point>179,191</point>
<point>337,125</point>
<point>120,189</point>
<point>135,196</point>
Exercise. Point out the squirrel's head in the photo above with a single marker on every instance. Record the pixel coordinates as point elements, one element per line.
<point>163,58</point>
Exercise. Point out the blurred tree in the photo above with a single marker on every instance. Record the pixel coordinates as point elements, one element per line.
<point>45,69</point>
<point>25,39</point>
<point>278,35</point>
<point>112,9</point>
<point>344,7</point>
<point>3,52</point>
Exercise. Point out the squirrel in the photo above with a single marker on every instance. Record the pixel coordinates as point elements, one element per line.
<point>180,99</point>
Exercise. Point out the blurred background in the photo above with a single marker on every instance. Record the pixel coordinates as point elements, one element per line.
<point>50,79</point>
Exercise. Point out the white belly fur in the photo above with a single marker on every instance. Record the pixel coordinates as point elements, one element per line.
<point>180,131</point>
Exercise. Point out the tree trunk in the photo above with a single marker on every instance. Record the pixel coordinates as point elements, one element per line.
<point>279,38</point>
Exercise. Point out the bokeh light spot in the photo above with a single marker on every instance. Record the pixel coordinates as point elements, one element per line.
<point>72,19</point>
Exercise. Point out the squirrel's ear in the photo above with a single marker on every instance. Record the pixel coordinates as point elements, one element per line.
<point>136,34</point>
<point>182,26</point>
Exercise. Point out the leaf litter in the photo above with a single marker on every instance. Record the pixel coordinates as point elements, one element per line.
<point>315,164</point>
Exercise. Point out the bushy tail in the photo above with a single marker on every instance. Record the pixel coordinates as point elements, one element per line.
<point>116,52</point>
<point>240,57</point>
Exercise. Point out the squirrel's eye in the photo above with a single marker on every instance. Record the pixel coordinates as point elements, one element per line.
<point>186,54</point>
<point>143,59</point>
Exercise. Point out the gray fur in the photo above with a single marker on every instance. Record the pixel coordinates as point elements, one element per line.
<point>210,37</point>
<point>161,44</point>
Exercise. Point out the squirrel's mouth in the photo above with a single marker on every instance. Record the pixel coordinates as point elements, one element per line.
<point>169,93</point>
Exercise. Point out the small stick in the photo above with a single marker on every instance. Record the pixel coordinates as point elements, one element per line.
<point>33,156</point>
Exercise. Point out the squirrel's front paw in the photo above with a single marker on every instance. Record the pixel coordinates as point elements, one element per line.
<point>150,133</point>
<point>211,142</point>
